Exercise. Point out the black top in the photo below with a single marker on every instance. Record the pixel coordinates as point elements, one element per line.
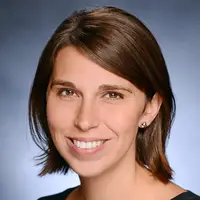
<point>63,195</point>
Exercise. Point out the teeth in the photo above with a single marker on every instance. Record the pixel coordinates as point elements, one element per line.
<point>87,145</point>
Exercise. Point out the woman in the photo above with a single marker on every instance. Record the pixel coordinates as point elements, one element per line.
<point>101,104</point>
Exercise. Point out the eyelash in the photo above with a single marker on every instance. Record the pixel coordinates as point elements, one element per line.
<point>65,90</point>
<point>116,95</point>
<point>119,95</point>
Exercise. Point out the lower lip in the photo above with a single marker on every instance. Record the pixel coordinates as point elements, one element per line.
<point>85,151</point>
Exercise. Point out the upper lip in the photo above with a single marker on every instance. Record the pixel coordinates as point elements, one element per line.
<point>86,139</point>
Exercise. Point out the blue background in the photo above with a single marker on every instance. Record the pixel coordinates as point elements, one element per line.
<point>25,27</point>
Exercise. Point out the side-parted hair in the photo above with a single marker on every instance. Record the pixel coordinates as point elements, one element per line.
<point>120,43</point>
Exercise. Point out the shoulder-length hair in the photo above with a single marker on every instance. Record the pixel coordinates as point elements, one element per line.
<point>120,43</point>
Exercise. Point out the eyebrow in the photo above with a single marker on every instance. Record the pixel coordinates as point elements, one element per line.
<point>63,83</point>
<point>114,87</point>
<point>101,87</point>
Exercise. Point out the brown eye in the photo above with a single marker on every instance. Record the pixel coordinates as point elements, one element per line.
<point>114,95</point>
<point>66,93</point>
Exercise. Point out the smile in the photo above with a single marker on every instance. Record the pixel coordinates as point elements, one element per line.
<point>87,145</point>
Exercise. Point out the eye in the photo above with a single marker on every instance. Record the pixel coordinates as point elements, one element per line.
<point>66,93</point>
<point>114,95</point>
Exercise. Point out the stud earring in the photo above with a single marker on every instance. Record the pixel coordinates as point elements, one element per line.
<point>143,125</point>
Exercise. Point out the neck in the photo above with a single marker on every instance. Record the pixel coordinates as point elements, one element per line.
<point>125,180</point>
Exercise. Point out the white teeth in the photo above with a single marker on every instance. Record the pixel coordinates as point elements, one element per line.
<point>87,145</point>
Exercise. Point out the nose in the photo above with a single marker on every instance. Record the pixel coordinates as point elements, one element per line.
<point>87,117</point>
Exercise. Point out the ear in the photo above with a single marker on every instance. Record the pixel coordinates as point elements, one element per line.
<point>151,110</point>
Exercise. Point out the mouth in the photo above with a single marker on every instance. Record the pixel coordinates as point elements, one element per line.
<point>87,146</point>
<point>87,143</point>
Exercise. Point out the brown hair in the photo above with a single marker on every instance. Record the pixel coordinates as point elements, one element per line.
<point>121,44</point>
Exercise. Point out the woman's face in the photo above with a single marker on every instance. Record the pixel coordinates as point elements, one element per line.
<point>93,114</point>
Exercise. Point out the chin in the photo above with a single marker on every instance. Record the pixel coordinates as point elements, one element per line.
<point>89,170</point>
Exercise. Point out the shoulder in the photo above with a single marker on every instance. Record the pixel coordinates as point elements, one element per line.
<point>58,196</point>
<point>187,196</point>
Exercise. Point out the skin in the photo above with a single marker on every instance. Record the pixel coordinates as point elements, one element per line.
<point>86,101</point>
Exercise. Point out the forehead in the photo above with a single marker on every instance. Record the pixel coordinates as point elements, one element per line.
<point>73,66</point>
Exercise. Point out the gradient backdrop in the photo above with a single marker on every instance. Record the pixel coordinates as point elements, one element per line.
<point>25,27</point>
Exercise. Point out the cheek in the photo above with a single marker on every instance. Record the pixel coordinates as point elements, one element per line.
<point>60,114</point>
<point>123,118</point>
